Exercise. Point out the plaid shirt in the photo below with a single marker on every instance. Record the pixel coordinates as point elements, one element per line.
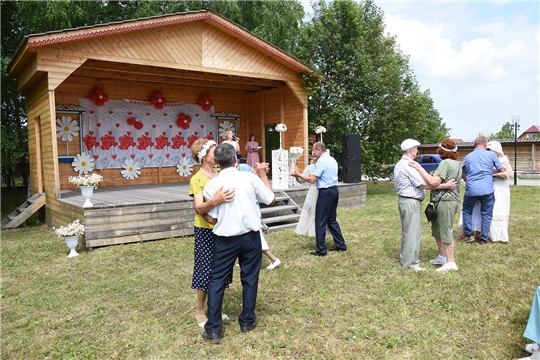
<point>407,180</point>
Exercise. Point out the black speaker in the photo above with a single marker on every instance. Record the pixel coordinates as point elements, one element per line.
<point>351,146</point>
<point>351,171</point>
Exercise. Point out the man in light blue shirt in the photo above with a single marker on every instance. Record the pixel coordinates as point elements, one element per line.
<point>478,168</point>
<point>325,175</point>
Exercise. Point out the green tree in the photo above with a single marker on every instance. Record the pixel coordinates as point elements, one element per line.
<point>369,88</point>
<point>506,132</point>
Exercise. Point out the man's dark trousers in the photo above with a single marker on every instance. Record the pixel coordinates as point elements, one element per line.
<point>247,248</point>
<point>325,215</point>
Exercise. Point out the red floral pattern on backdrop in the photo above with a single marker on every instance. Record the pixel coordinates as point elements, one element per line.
<point>120,130</point>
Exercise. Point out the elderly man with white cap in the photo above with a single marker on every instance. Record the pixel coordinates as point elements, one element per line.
<point>410,187</point>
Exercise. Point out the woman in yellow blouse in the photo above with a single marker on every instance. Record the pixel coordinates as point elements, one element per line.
<point>203,152</point>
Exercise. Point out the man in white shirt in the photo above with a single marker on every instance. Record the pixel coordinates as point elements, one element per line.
<point>237,225</point>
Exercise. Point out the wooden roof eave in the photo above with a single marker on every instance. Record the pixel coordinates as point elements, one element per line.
<point>209,17</point>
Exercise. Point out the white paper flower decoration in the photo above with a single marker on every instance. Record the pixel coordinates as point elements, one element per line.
<point>83,163</point>
<point>225,127</point>
<point>184,167</point>
<point>131,170</point>
<point>66,128</point>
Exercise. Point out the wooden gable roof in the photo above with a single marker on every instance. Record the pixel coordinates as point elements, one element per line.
<point>201,43</point>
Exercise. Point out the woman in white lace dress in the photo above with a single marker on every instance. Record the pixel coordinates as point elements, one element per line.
<point>501,210</point>
<point>306,223</point>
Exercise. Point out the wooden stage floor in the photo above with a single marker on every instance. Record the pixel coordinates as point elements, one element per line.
<point>113,196</point>
<point>131,213</point>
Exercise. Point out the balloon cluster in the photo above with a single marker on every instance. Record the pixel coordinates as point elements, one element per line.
<point>99,96</point>
<point>205,102</point>
<point>158,100</point>
<point>183,120</point>
<point>132,121</point>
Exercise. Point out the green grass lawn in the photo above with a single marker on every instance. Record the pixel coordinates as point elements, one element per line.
<point>135,301</point>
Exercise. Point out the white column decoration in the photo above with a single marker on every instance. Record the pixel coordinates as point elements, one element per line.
<point>280,169</point>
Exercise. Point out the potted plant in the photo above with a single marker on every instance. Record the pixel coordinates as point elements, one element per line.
<point>71,233</point>
<point>86,183</point>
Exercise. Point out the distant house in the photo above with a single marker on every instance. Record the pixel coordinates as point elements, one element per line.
<point>531,133</point>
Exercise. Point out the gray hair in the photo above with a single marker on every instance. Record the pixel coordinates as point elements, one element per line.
<point>225,155</point>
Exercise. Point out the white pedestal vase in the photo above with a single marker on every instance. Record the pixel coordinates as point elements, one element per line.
<point>71,243</point>
<point>87,192</point>
<point>280,169</point>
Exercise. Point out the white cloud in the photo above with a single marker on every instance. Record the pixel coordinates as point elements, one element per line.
<point>480,60</point>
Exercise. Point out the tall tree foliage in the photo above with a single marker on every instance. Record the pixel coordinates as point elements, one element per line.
<point>506,132</point>
<point>369,88</point>
<point>276,21</point>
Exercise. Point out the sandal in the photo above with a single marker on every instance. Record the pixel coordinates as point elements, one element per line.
<point>530,348</point>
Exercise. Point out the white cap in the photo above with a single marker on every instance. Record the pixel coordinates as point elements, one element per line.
<point>409,144</point>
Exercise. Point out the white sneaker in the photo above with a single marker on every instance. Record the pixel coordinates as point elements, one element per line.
<point>437,261</point>
<point>447,266</point>
<point>224,317</point>
<point>274,265</point>
<point>417,268</point>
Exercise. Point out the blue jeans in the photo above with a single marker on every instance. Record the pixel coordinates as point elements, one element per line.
<point>247,248</point>
<point>486,210</point>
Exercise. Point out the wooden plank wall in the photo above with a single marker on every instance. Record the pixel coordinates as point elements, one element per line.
<point>276,102</point>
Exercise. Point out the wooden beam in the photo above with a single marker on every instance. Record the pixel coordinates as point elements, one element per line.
<point>168,73</point>
<point>54,149</point>
<point>100,74</point>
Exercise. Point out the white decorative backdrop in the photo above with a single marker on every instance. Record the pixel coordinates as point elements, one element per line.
<point>156,138</point>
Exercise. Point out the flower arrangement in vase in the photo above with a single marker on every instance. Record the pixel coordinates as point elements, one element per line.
<point>281,128</point>
<point>86,180</point>
<point>320,130</point>
<point>86,183</point>
<point>71,233</point>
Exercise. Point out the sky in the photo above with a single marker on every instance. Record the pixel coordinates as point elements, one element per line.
<point>479,59</point>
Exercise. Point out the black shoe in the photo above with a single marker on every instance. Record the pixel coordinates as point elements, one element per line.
<point>316,253</point>
<point>211,338</point>
<point>248,328</point>
<point>337,249</point>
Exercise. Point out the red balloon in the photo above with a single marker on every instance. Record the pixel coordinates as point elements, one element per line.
<point>99,91</point>
<point>158,94</point>
<point>181,116</point>
<point>159,106</point>
<point>93,96</point>
<point>131,121</point>
<point>138,125</point>
<point>153,100</point>
<point>100,102</point>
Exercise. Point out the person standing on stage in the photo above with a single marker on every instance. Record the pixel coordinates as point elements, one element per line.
<point>325,175</point>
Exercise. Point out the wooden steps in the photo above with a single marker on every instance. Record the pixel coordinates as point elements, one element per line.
<point>283,214</point>
<point>23,212</point>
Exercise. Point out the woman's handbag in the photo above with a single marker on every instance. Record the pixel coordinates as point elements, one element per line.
<point>431,212</point>
<point>431,209</point>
